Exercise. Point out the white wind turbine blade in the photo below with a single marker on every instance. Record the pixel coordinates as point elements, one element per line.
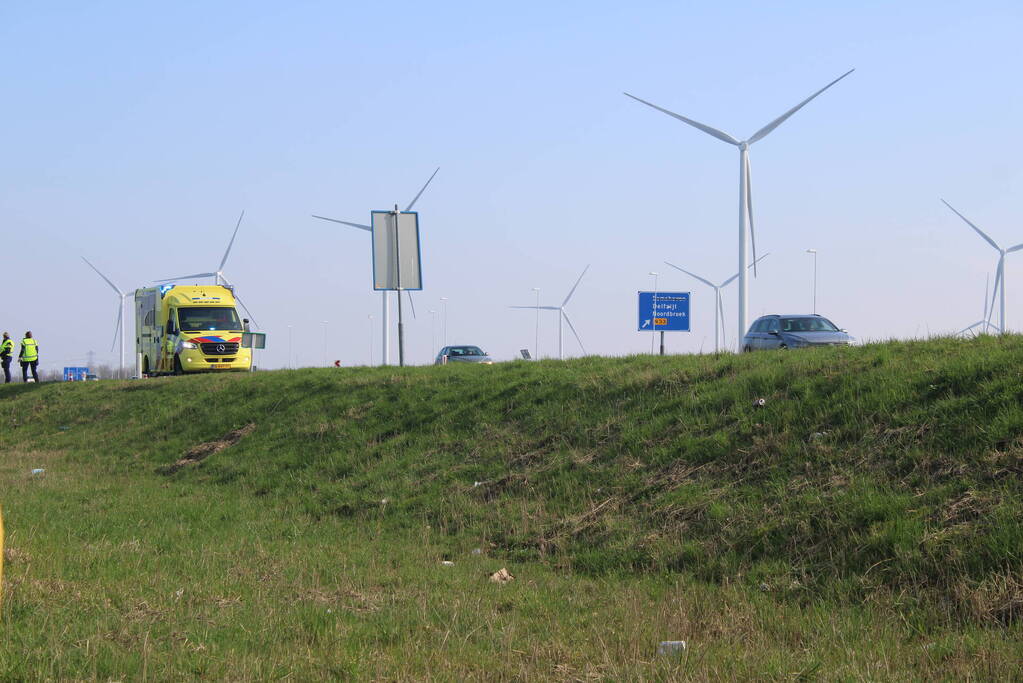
<point>117,327</point>
<point>411,303</point>
<point>187,277</point>
<point>231,243</point>
<point>572,327</point>
<point>416,198</point>
<point>731,279</point>
<point>994,292</point>
<point>749,214</point>
<point>706,282</point>
<point>252,318</point>
<point>763,132</point>
<point>360,226</point>
<point>1015,248</point>
<point>720,135</point>
<point>542,308</point>
<point>572,291</point>
<point>967,329</point>
<point>721,318</point>
<point>237,298</point>
<point>105,278</point>
<point>979,231</point>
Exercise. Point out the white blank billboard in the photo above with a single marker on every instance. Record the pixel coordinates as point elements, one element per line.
<point>396,246</point>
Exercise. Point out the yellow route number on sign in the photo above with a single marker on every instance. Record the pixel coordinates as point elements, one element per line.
<point>660,321</point>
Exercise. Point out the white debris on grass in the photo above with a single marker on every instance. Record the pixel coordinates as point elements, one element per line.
<point>671,647</point>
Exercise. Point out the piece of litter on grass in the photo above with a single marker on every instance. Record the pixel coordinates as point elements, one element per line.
<point>671,647</point>
<point>38,470</point>
<point>477,551</point>
<point>385,501</point>
<point>447,563</point>
<point>477,484</point>
<point>63,428</point>
<point>759,403</point>
<point>502,575</point>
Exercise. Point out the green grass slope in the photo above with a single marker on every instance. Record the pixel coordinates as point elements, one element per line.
<point>889,474</point>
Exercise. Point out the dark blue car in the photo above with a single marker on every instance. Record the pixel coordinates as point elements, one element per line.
<point>793,332</point>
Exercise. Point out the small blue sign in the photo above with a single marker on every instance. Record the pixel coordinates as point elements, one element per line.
<point>75,374</point>
<point>670,314</point>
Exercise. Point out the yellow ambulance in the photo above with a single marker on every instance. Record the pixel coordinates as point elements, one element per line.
<point>189,328</point>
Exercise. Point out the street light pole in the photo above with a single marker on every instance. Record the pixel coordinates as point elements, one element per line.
<point>290,365</point>
<point>814,252</point>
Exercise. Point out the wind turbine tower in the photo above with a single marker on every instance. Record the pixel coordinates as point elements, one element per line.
<point>999,290</point>
<point>385,307</point>
<point>119,327</point>
<point>218,275</point>
<point>746,233</point>
<point>562,317</point>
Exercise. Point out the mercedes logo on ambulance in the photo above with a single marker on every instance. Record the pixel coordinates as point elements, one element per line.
<point>220,348</point>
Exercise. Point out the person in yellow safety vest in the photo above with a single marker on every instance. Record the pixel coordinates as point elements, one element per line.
<point>6,351</point>
<point>29,357</point>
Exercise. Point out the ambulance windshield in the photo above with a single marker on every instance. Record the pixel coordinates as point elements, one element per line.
<point>201,319</point>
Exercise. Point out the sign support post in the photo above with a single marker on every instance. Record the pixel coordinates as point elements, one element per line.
<point>401,321</point>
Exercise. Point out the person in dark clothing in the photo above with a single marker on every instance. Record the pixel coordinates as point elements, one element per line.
<point>29,357</point>
<point>6,351</point>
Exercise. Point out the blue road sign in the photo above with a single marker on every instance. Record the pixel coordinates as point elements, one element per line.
<point>670,315</point>
<point>75,374</point>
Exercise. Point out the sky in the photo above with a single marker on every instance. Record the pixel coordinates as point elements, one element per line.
<point>134,135</point>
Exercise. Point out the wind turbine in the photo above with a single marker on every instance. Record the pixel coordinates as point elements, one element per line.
<point>385,310</point>
<point>999,289</point>
<point>218,275</point>
<point>562,316</point>
<point>745,193</point>
<point>120,315</point>
<point>719,320</point>
<point>984,323</point>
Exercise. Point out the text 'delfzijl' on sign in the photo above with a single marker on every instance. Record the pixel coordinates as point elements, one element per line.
<point>663,311</point>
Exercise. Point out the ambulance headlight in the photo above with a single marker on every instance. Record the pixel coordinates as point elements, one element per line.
<point>189,345</point>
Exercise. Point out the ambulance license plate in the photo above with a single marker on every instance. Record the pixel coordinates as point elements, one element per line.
<point>221,366</point>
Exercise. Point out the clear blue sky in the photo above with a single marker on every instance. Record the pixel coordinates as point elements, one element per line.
<point>134,136</point>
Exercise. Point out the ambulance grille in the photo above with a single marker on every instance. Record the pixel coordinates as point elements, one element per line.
<point>219,348</point>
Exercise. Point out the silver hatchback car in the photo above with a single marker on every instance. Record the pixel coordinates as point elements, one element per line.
<point>793,332</point>
<point>463,354</point>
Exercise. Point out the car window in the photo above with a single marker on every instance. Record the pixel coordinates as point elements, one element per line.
<point>466,351</point>
<point>772,325</point>
<point>808,325</point>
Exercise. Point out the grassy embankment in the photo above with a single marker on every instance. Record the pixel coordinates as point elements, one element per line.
<point>866,522</point>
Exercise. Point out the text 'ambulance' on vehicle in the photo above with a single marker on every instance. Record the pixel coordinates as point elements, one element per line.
<point>185,328</point>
